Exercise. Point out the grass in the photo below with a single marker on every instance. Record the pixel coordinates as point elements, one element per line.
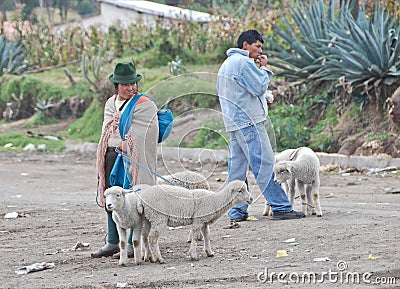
<point>58,76</point>
<point>17,141</point>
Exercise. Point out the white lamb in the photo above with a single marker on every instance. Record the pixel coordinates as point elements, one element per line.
<point>282,156</point>
<point>300,168</point>
<point>123,204</point>
<point>173,206</point>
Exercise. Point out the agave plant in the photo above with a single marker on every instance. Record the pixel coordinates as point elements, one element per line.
<point>362,55</point>
<point>365,54</point>
<point>12,57</point>
<point>306,53</point>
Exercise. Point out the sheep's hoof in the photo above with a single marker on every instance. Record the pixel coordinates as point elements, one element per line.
<point>123,264</point>
<point>319,215</point>
<point>194,258</point>
<point>161,261</point>
<point>210,254</point>
<point>152,260</point>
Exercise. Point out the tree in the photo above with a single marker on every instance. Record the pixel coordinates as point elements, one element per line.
<point>63,6</point>
<point>30,5</point>
<point>3,10</point>
<point>85,7</point>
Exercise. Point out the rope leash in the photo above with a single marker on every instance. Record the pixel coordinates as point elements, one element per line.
<point>124,155</point>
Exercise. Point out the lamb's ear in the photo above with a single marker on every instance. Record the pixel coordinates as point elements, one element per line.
<point>139,206</point>
<point>126,191</point>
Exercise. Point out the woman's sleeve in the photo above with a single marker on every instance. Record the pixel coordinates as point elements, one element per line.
<point>109,109</point>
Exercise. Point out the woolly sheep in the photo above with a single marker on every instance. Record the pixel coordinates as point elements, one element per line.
<point>123,204</point>
<point>125,212</point>
<point>300,168</point>
<point>282,156</point>
<point>173,206</point>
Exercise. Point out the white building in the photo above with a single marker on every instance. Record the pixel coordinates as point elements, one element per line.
<point>125,12</point>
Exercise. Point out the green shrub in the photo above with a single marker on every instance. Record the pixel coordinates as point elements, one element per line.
<point>40,119</point>
<point>323,134</point>
<point>29,87</point>
<point>88,127</point>
<point>85,7</point>
<point>290,126</point>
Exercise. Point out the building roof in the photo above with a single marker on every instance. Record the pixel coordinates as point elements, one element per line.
<point>161,10</point>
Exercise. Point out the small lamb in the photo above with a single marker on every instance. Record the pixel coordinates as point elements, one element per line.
<point>300,167</point>
<point>282,156</point>
<point>173,206</point>
<point>123,204</point>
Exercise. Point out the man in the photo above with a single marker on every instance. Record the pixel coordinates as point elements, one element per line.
<point>241,89</point>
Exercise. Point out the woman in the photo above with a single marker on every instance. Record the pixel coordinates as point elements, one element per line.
<point>135,115</point>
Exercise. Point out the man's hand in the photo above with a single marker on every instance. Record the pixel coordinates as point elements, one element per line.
<point>263,60</point>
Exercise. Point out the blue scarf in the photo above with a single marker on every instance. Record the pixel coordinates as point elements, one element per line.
<point>120,175</point>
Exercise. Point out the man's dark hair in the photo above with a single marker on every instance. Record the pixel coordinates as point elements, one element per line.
<point>250,36</point>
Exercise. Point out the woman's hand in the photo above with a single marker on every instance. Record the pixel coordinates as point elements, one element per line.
<point>123,146</point>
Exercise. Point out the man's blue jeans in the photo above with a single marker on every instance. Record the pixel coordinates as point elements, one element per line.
<point>251,145</point>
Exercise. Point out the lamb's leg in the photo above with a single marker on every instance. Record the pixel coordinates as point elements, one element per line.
<point>137,234</point>
<point>199,237</point>
<point>315,191</point>
<point>310,201</point>
<point>290,189</point>
<point>189,239</point>
<point>193,245</point>
<point>301,188</point>
<point>145,240</point>
<point>267,209</point>
<point>153,241</point>
<point>205,230</point>
<point>123,251</point>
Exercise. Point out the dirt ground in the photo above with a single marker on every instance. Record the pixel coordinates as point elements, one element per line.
<point>54,196</point>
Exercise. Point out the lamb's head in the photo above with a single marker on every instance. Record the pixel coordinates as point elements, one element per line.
<point>115,197</point>
<point>238,189</point>
<point>282,171</point>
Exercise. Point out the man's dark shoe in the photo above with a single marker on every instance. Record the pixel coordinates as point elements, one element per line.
<point>239,219</point>
<point>131,254</point>
<point>287,215</point>
<point>105,253</point>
